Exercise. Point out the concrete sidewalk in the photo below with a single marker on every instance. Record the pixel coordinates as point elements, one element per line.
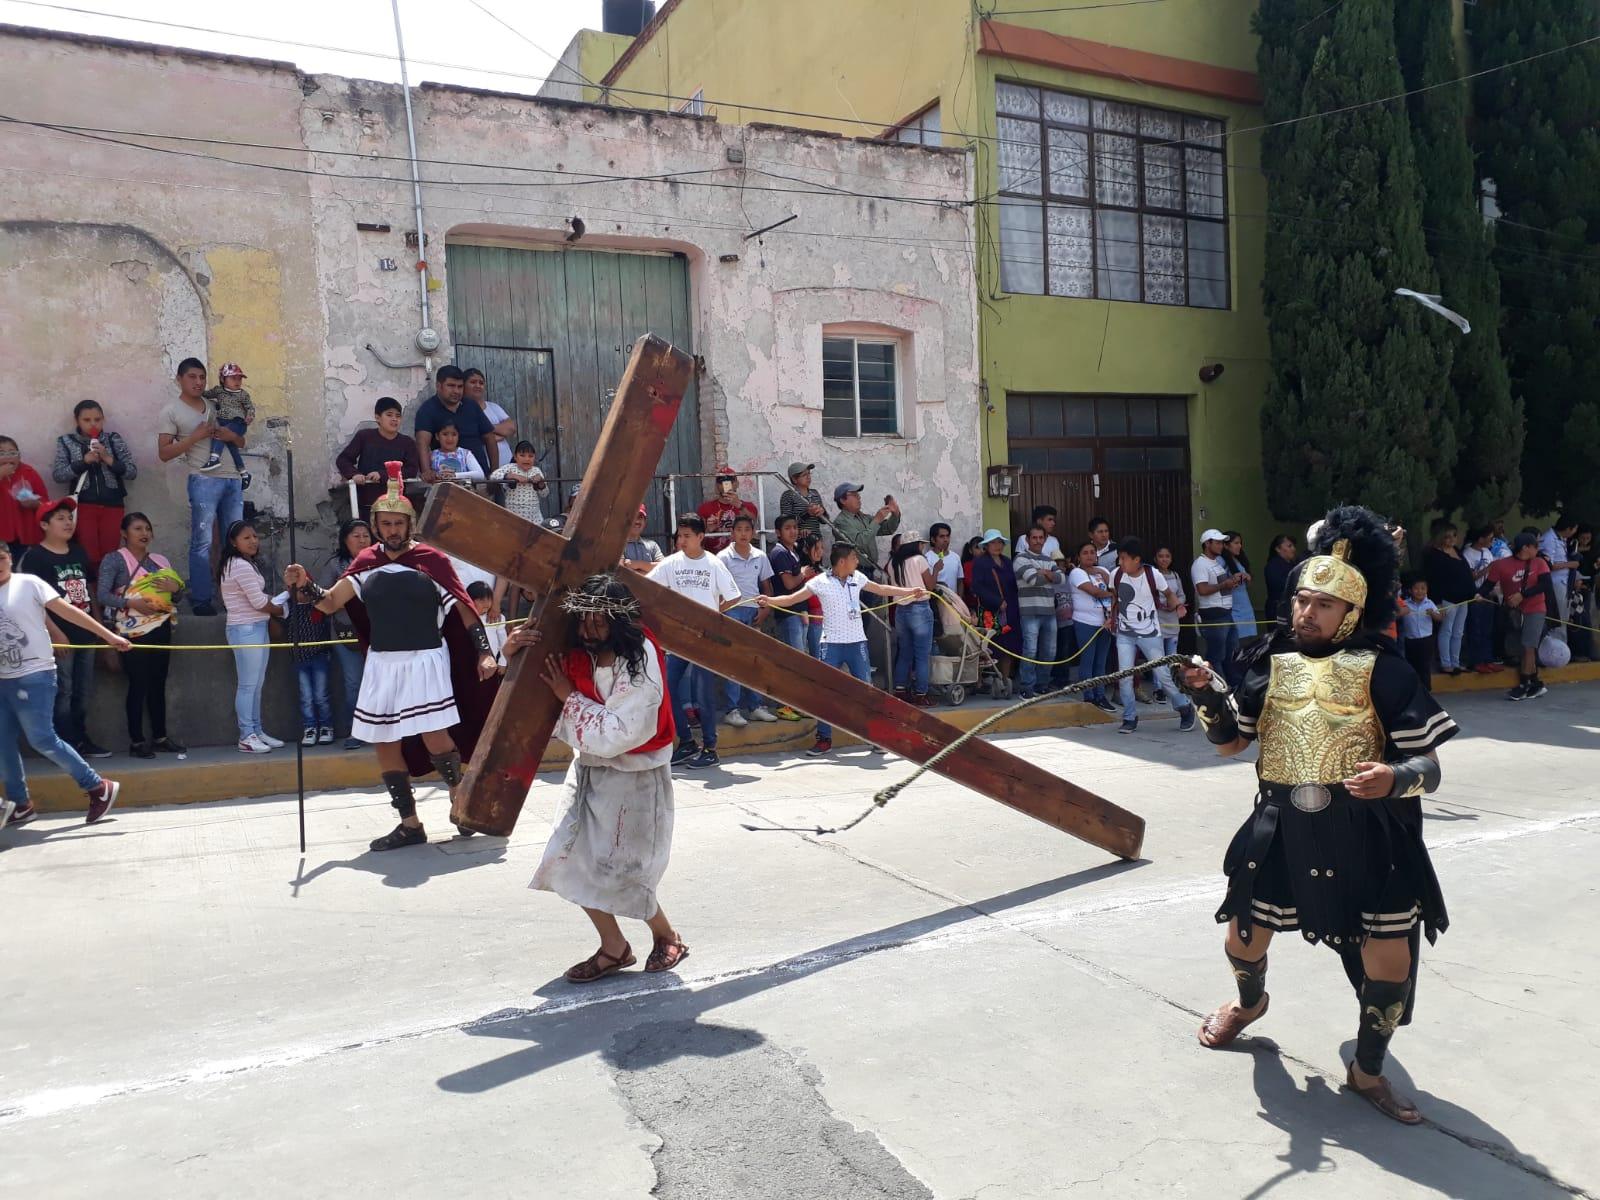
<point>950,1001</point>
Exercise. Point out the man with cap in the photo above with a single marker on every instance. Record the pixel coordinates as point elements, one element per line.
<point>861,531</point>
<point>720,512</point>
<point>1215,587</point>
<point>1333,849</point>
<point>802,501</point>
<point>430,675</point>
<point>640,553</point>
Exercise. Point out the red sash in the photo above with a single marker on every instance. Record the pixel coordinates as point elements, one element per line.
<point>580,669</point>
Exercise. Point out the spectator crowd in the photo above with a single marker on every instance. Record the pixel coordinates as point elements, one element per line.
<point>1046,608</point>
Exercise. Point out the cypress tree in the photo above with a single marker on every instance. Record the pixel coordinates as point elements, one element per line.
<point>1355,411</point>
<point>1536,137</point>
<point>1489,422</point>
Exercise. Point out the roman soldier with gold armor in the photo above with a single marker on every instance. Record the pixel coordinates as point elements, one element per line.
<point>1346,739</point>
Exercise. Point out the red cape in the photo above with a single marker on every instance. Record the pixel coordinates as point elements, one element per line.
<point>474,696</point>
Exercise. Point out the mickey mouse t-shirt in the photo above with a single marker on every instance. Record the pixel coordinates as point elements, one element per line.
<point>1137,614</point>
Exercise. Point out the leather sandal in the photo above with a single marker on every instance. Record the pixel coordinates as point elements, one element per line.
<point>1224,1026</point>
<point>666,954</point>
<point>1383,1098</point>
<point>600,964</point>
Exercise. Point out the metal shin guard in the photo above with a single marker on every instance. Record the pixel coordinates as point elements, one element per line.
<point>448,765</point>
<point>399,785</point>
<point>1251,978</point>
<point>1383,1006</point>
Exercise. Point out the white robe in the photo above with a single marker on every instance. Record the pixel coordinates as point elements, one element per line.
<point>613,829</point>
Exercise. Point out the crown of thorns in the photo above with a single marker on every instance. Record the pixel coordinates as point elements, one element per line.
<point>581,604</point>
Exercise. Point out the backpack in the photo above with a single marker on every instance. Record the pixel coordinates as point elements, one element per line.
<point>1116,594</point>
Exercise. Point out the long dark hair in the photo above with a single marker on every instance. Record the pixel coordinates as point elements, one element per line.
<point>625,636</point>
<point>805,546</point>
<point>897,563</point>
<point>343,551</point>
<point>231,552</point>
<point>1236,562</point>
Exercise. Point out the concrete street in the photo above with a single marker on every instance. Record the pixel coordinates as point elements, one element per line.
<point>950,1001</point>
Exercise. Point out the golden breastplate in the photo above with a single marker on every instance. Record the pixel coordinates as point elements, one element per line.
<point>1318,721</point>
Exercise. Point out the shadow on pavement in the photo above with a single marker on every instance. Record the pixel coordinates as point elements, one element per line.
<point>573,1026</point>
<point>408,868</point>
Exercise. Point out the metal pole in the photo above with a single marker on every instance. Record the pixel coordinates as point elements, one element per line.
<point>761,513</point>
<point>416,182</point>
<point>355,504</point>
<point>294,636</point>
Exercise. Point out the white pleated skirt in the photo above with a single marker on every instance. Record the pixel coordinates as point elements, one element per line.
<point>404,692</point>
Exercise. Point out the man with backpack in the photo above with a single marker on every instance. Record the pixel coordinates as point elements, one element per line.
<point>1138,591</point>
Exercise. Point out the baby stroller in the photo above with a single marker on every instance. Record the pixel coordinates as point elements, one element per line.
<point>961,660</point>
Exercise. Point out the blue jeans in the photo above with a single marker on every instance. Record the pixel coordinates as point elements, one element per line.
<point>1091,661</point>
<point>1221,636</point>
<point>218,446</point>
<point>316,705</point>
<point>352,665</point>
<point>814,637</point>
<point>740,696</point>
<point>251,665</point>
<point>1066,646</point>
<point>27,707</point>
<point>913,645</point>
<point>791,631</point>
<point>213,503</point>
<point>689,684</point>
<point>74,682</point>
<point>1038,641</point>
<point>1452,630</point>
<point>1128,648</point>
<point>1478,644</point>
<point>847,656</point>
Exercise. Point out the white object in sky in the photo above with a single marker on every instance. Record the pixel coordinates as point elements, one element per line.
<point>1432,302</point>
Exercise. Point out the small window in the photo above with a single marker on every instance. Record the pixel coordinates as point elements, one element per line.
<point>695,105</point>
<point>860,388</point>
<point>921,130</point>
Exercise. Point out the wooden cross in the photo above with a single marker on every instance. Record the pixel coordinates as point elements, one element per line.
<point>471,527</point>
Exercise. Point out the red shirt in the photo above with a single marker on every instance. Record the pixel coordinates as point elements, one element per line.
<point>18,524</point>
<point>1516,575</point>
<point>719,517</point>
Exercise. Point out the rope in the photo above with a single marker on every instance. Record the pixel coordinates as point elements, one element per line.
<point>881,799</point>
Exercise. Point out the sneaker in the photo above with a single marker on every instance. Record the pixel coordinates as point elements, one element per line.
<point>1520,692</point>
<point>271,741</point>
<point>354,743</point>
<point>308,736</point>
<point>7,807</point>
<point>204,610</point>
<point>1159,696</point>
<point>706,758</point>
<point>325,736</point>
<point>1186,720</point>
<point>142,750</point>
<point>1025,694</point>
<point>22,815</point>
<point>244,481</point>
<point>92,749</point>
<point>1535,690</point>
<point>399,837</point>
<point>1129,724</point>
<point>923,701</point>
<point>823,746</point>
<point>1105,705</point>
<point>168,745</point>
<point>253,745</point>
<point>788,714</point>
<point>101,799</point>
<point>212,463</point>
<point>735,718</point>
<point>684,752</point>
<point>764,714</point>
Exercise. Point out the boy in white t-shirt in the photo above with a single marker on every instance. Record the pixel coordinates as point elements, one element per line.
<point>704,579</point>
<point>1138,593</point>
<point>844,639</point>
<point>28,691</point>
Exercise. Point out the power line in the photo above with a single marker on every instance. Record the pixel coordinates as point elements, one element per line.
<point>518,33</point>
<point>1318,17</point>
<point>1018,12</point>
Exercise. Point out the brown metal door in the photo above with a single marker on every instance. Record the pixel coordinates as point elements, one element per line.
<point>1151,505</point>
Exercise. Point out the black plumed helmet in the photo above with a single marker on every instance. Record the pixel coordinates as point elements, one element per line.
<point>1372,552</point>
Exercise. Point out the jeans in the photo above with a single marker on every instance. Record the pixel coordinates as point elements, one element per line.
<point>1558,584</point>
<point>1094,647</point>
<point>316,705</point>
<point>1221,637</point>
<point>352,665</point>
<point>26,708</point>
<point>688,684</point>
<point>1478,645</point>
<point>791,631</point>
<point>1038,641</point>
<point>1066,647</point>
<point>146,669</point>
<point>847,656</point>
<point>1128,649</point>
<point>740,696</point>
<point>218,446</point>
<point>251,666</point>
<point>212,502</point>
<point>74,682</point>
<point>814,637</point>
<point>1451,632</point>
<point>913,646</point>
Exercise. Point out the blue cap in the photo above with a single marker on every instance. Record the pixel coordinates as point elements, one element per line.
<point>844,489</point>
